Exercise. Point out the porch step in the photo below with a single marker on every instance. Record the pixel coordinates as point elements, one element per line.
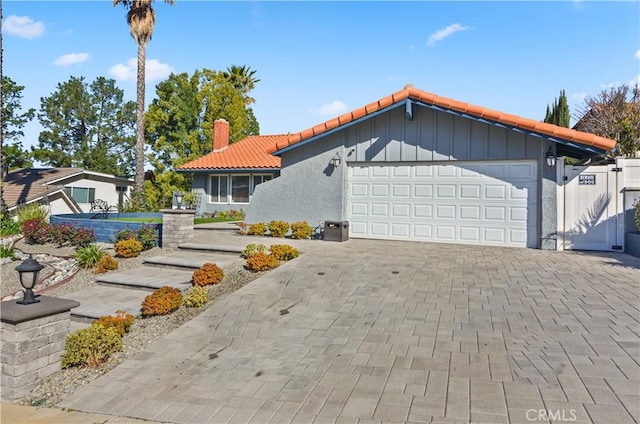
<point>192,260</point>
<point>97,301</point>
<point>210,247</point>
<point>147,278</point>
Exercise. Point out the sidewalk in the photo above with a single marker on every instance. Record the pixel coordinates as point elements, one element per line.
<point>18,414</point>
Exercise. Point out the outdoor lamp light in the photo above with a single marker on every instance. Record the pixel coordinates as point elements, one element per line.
<point>335,160</point>
<point>551,158</point>
<point>28,271</point>
<point>179,199</point>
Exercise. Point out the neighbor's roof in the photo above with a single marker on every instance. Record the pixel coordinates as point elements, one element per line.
<point>248,153</point>
<point>409,92</point>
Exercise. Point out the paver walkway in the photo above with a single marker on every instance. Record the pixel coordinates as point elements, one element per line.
<point>374,331</point>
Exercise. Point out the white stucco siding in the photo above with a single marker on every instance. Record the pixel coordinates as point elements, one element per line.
<point>105,188</point>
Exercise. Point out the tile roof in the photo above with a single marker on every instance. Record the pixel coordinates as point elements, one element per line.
<point>27,184</point>
<point>409,92</point>
<point>248,153</point>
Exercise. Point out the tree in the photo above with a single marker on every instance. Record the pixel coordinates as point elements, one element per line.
<point>88,126</point>
<point>242,79</point>
<point>141,19</point>
<point>179,125</point>
<point>559,114</point>
<point>614,113</point>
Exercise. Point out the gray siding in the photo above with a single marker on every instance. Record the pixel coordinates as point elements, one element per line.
<point>305,190</point>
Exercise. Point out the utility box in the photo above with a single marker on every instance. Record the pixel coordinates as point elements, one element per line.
<point>336,231</point>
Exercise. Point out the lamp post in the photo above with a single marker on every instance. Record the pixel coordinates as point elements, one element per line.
<point>28,271</point>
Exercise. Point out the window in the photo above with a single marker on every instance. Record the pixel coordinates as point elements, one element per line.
<point>81,194</point>
<point>238,187</point>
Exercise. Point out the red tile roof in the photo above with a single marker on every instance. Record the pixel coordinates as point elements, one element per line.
<point>248,153</point>
<point>409,92</point>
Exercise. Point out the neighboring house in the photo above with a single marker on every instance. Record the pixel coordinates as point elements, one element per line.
<point>420,167</point>
<point>64,190</point>
<point>227,177</point>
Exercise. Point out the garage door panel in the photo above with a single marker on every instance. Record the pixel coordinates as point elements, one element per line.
<point>491,203</point>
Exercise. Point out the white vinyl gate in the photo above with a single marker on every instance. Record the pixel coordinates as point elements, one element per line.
<point>591,213</point>
<point>487,203</point>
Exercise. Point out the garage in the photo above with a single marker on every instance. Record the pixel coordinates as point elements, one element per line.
<point>488,203</point>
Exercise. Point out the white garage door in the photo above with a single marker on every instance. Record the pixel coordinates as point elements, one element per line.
<point>487,203</point>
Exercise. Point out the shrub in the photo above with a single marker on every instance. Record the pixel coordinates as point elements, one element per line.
<point>162,301</point>
<point>252,249</point>
<point>197,296</point>
<point>35,231</point>
<point>126,234</point>
<point>128,248</point>
<point>257,229</point>
<point>244,228</point>
<point>107,263</point>
<point>278,228</point>
<point>91,346</point>
<point>230,214</point>
<point>83,237</point>
<point>207,274</point>
<point>31,211</point>
<point>283,252</point>
<point>7,251</point>
<point>301,230</point>
<point>9,227</point>
<point>147,236</point>
<point>62,234</point>
<point>89,256</point>
<point>121,321</point>
<point>261,262</point>
<point>638,215</point>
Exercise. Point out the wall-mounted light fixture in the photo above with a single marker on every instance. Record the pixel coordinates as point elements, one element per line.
<point>550,158</point>
<point>335,160</point>
<point>28,271</point>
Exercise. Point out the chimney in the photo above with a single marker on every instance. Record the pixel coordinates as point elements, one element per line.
<point>220,135</point>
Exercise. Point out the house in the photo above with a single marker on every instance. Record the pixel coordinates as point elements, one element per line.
<point>421,167</point>
<point>64,190</point>
<point>227,177</point>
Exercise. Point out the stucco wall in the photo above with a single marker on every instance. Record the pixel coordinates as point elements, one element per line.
<point>306,191</point>
<point>105,189</point>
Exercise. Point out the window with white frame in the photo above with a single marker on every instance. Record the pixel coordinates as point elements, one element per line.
<point>234,188</point>
<point>81,194</point>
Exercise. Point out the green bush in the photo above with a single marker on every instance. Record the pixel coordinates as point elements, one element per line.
<point>7,251</point>
<point>126,234</point>
<point>197,296</point>
<point>283,252</point>
<point>230,214</point>
<point>301,230</point>
<point>89,256</point>
<point>638,215</point>
<point>162,301</point>
<point>147,236</point>
<point>91,346</point>
<point>128,248</point>
<point>31,211</point>
<point>257,229</point>
<point>261,262</point>
<point>121,321</point>
<point>278,228</point>
<point>252,249</point>
<point>9,227</point>
<point>36,231</point>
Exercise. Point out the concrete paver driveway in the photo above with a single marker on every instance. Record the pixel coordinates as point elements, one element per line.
<point>374,331</point>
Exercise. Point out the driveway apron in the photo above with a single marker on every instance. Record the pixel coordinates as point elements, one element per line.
<point>383,331</point>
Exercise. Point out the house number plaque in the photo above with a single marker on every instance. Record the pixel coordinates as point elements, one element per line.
<point>587,179</point>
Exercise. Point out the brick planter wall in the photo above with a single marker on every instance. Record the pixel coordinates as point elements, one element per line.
<point>33,339</point>
<point>177,226</point>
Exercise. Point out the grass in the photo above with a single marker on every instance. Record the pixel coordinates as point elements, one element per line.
<point>159,220</point>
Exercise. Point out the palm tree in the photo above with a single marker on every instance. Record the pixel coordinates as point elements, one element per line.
<point>3,205</point>
<point>242,78</point>
<point>141,19</point>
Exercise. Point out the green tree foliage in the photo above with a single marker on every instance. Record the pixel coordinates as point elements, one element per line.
<point>558,113</point>
<point>179,126</point>
<point>13,121</point>
<point>87,126</point>
<point>614,113</point>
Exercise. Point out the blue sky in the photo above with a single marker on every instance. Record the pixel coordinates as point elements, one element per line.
<point>317,60</point>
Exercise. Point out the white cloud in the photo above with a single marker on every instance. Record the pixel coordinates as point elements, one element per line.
<point>334,108</point>
<point>22,26</point>
<point>443,33</point>
<point>638,54</point>
<point>71,58</point>
<point>154,70</point>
